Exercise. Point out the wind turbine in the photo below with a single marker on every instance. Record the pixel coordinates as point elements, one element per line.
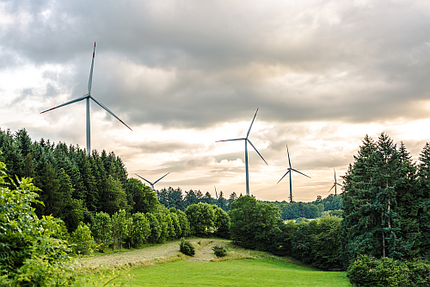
<point>87,97</point>
<point>335,184</point>
<point>152,184</point>
<point>246,139</point>
<point>290,171</point>
<point>216,193</point>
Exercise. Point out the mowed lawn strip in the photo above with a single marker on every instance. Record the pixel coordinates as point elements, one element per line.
<point>243,272</point>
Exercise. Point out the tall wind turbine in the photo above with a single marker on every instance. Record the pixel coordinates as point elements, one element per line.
<point>87,97</point>
<point>152,184</point>
<point>246,139</point>
<point>335,184</point>
<point>290,171</point>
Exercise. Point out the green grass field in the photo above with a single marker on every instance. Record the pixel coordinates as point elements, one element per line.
<point>243,272</point>
<point>241,267</point>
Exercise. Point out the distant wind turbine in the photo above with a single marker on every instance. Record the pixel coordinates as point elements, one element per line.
<point>216,193</point>
<point>290,171</point>
<point>246,139</point>
<point>152,184</point>
<point>335,184</point>
<point>87,97</point>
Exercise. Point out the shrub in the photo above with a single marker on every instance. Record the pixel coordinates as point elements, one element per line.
<point>219,251</point>
<point>84,242</point>
<point>369,271</point>
<point>187,247</point>
<point>32,252</point>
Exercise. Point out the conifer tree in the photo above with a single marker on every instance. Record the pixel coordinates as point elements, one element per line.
<point>92,195</point>
<point>423,215</point>
<point>377,190</point>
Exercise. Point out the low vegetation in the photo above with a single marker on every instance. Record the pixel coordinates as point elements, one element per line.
<point>219,251</point>
<point>386,272</point>
<point>187,248</point>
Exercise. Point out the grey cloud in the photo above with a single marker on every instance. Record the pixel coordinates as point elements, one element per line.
<point>213,52</point>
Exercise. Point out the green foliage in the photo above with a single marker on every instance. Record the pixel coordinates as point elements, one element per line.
<point>186,247</point>
<point>155,227</point>
<point>382,203</point>
<point>327,252</point>
<point>141,229</point>
<point>202,219</point>
<point>115,197</point>
<point>102,230</point>
<point>83,240</point>
<point>141,197</point>
<point>219,251</point>
<point>184,223</point>
<point>32,252</point>
<point>120,227</point>
<point>175,223</point>
<point>222,223</point>
<point>310,210</point>
<point>253,223</point>
<point>383,272</point>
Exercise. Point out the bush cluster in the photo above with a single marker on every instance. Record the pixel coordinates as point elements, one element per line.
<point>385,272</point>
<point>186,247</point>
<point>219,251</point>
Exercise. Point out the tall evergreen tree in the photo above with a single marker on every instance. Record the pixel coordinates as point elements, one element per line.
<point>423,215</point>
<point>375,185</point>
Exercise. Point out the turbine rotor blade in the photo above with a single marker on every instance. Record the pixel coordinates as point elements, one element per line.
<point>283,176</point>
<point>249,130</point>
<point>230,140</point>
<point>289,161</point>
<point>90,79</point>
<point>106,109</point>
<point>65,104</point>
<point>145,179</point>
<point>331,187</point>
<point>161,178</point>
<point>300,172</point>
<point>257,151</point>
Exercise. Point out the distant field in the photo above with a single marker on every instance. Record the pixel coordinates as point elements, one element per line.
<point>243,272</point>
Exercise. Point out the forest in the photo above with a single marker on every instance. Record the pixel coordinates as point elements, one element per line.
<point>380,222</point>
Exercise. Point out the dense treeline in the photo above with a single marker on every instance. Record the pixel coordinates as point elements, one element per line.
<point>387,202</point>
<point>75,186</point>
<point>386,212</point>
<point>134,230</point>
<point>293,210</point>
<point>176,198</point>
<point>258,225</point>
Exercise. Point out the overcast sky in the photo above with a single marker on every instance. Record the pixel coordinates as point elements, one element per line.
<point>184,74</point>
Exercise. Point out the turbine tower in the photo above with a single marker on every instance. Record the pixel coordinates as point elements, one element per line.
<point>87,97</point>
<point>152,184</point>
<point>246,139</point>
<point>290,171</point>
<point>335,184</point>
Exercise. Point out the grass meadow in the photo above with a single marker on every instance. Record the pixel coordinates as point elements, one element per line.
<point>240,267</point>
<point>243,272</point>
